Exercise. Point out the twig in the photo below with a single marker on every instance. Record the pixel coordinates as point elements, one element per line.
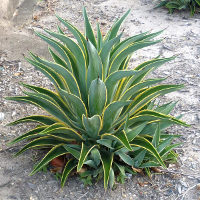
<point>183,195</point>
<point>82,196</point>
<point>183,174</point>
<point>9,148</point>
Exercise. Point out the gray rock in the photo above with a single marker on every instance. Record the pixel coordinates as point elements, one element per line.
<point>2,115</point>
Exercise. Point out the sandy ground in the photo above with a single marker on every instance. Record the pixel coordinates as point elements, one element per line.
<point>181,38</point>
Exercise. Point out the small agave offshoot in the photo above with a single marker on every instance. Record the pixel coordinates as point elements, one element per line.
<point>102,116</point>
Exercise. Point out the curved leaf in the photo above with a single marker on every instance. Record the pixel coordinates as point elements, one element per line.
<point>114,66</point>
<point>105,54</point>
<point>45,104</point>
<point>97,97</point>
<point>77,105</point>
<point>114,29</point>
<point>77,34</point>
<point>107,160</point>
<point>95,65</point>
<point>65,73</point>
<point>54,77</point>
<point>42,119</point>
<point>112,80</point>
<point>126,158</point>
<point>120,137</point>
<point>70,165</point>
<point>39,142</point>
<point>111,113</point>
<point>92,125</point>
<point>88,29</point>
<point>30,134</point>
<point>55,152</point>
<point>135,88</point>
<point>84,153</point>
<point>61,49</point>
<point>145,144</point>
<point>57,59</point>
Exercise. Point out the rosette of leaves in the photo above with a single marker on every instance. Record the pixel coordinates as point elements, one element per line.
<point>171,5</point>
<point>102,115</point>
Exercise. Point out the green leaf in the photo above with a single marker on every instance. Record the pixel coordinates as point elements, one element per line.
<point>97,97</point>
<point>111,178</point>
<point>42,119</point>
<point>166,108</point>
<point>85,150</point>
<point>114,29</point>
<point>119,136</point>
<point>111,113</point>
<point>54,77</point>
<point>57,59</point>
<point>114,66</point>
<point>72,150</point>
<point>148,95</point>
<point>131,134</point>
<point>95,65</point>
<point>61,49</point>
<point>107,160</point>
<point>75,103</point>
<point>39,142</point>
<point>99,38</point>
<point>105,54</point>
<point>30,134</point>
<point>70,165</point>
<point>95,155</point>
<point>112,80</point>
<point>76,33</point>
<point>46,104</point>
<point>135,88</point>
<point>88,29</point>
<point>92,125</point>
<point>145,144</point>
<point>55,152</point>
<point>160,115</point>
<point>63,133</point>
<point>164,144</point>
<point>126,42</point>
<point>54,97</point>
<point>138,159</point>
<point>106,142</point>
<point>77,53</point>
<point>65,73</point>
<point>126,158</point>
<point>135,39</point>
<point>156,137</point>
<point>121,169</point>
<point>60,30</point>
<point>169,148</point>
<point>143,70</point>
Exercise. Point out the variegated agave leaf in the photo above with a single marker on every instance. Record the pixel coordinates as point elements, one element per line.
<point>101,113</point>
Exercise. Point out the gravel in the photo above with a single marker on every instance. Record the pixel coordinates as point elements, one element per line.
<point>181,38</point>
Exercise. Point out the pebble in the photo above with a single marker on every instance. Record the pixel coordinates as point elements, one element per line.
<point>198,186</point>
<point>32,186</point>
<point>179,189</point>
<point>14,113</point>
<point>2,116</point>
<point>129,176</point>
<point>184,184</point>
<point>33,197</point>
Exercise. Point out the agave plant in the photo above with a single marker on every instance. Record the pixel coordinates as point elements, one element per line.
<point>172,5</point>
<point>102,115</point>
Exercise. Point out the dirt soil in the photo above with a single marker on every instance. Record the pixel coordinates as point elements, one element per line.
<point>181,38</point>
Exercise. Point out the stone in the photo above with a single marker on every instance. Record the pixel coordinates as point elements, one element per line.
<point>2,115</point>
